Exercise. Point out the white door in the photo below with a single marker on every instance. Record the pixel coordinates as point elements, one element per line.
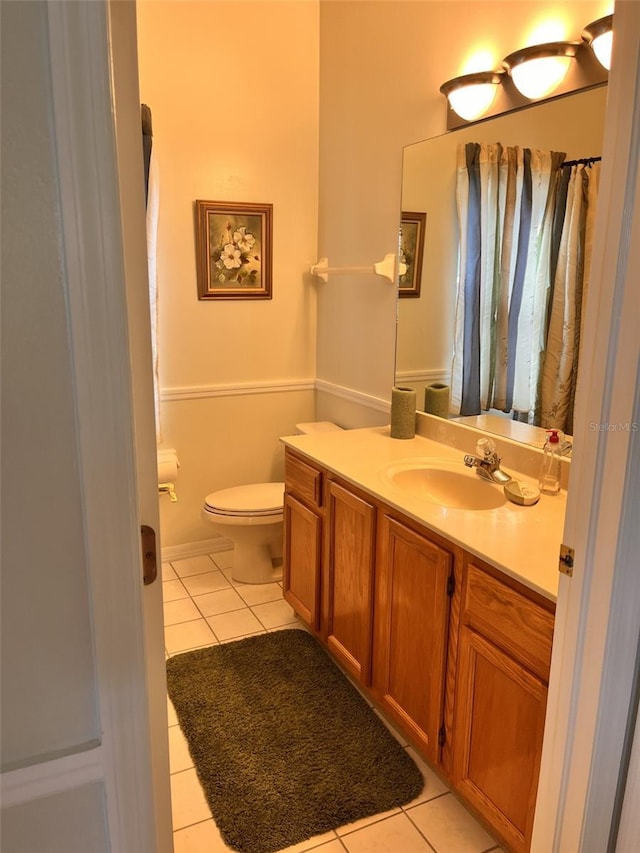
<point>89,52</point>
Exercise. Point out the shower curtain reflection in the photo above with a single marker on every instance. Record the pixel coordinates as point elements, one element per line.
<point>525,229</point>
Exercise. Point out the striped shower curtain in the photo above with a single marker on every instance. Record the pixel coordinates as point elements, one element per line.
<point>512,307</point>
<point>577,197</point>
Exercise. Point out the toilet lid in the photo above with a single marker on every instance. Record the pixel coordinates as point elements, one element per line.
<point>254,499</point>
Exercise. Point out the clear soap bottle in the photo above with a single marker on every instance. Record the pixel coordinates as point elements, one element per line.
<point>549,482</point>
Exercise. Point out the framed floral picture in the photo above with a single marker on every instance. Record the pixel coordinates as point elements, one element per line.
<point>233,247</point>
<point>412,230</point>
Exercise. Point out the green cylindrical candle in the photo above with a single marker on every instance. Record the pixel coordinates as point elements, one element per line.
<point>436,400</point>
<point>403,412</point>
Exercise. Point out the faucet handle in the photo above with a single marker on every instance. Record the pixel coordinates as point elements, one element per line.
<point>485,448</point>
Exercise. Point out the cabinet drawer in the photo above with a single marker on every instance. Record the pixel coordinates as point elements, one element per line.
<point>303,480</point>
<point>519,626</point>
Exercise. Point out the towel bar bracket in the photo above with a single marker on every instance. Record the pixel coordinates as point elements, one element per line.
<point>387,267</point>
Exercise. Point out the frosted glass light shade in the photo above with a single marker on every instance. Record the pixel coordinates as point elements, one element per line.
<point>537,71</point>
<point>599,35</point>
<point>471,95</point>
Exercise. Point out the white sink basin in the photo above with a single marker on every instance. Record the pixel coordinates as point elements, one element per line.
<point>446,483</point>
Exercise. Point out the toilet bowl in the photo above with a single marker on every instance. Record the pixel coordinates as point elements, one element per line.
<point>251,516</point>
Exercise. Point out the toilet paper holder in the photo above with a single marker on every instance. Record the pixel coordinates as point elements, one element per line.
<point>168,489</point>
<point>168,465</point>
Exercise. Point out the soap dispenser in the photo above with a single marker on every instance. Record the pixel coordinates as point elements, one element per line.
<point>550,471</point>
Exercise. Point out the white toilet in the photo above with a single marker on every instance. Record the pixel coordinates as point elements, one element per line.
<point>251,516</point>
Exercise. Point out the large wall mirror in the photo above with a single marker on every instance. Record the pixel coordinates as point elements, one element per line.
<point>573,124</point>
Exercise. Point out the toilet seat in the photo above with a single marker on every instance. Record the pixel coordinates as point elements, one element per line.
<point>257,500</point>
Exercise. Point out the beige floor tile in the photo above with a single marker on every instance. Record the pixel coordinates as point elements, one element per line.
<point>365,821</point>
<point>274,613</point>
<point>171,713</point>
<point>200,838</point>
<point>449,826</point>
<point>168,573</point>
<point>330,847</point>
<point>221,601</point>
<point>324,843</point>
<point>182,610</point>
<point>394,731</point>
<point>172,590</point>
<point>433,784</point>
<point>228,626</point>
<point>188,635</point>
<point>259,593</point>
<point>223,559</point>
<point>295,626</point>
<point>193,565</point>
<point>227,572</point>
<point>179,757</point>
<point>395,834</point>
<point>206,582</point>
<point>188,804</point>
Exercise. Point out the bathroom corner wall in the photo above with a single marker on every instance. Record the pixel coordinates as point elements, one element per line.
<point>233,90</point>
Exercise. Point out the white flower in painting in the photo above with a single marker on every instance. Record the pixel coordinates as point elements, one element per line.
<point>230,256</point>
<point>244,239</point>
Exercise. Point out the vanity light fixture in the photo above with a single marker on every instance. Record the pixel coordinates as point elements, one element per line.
<point>471,95</point>
<point>536,71</point>
<point>599,36</point>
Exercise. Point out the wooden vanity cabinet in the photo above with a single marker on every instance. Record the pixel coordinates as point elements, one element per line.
<point>412,598</point>
<point>455,652</point>
<point>302,554</point>
<point>504,654</point>
<point>348,579</point>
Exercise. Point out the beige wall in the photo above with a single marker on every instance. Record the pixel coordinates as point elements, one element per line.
<point>233,89</point>
<point>381,66</point>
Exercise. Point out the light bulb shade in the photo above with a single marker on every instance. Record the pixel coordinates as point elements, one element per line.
<point>599,35</point>
<point>536,71</point>
<point>471,95</point>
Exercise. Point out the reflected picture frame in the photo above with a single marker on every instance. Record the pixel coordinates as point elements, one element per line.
<point>412,233</point>
<point>233,250</point>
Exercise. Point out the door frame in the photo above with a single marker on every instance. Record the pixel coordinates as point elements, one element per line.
<point>598,614</point>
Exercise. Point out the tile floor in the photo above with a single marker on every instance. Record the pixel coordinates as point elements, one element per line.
<point>203,606</point>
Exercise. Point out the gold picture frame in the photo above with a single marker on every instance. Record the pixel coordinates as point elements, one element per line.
<point>233,250</point>
<point>412,232</point>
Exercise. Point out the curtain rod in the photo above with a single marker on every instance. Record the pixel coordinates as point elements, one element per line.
<point>586,161</point>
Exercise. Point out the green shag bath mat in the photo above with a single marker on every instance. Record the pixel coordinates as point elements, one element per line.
<point>284,746</point>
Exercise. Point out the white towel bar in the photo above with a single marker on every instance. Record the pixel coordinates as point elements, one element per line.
<point>386,267</point>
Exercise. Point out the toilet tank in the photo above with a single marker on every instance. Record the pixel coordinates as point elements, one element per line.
<point>314,427</point>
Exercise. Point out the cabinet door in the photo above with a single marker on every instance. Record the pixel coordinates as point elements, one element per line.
<point>302,560</point>
<point>410,631</point>
<point>349,586</point>
<point>499,722</point>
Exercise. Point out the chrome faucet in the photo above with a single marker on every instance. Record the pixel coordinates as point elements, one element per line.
<point>487,462</point>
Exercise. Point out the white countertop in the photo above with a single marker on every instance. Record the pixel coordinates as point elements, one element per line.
<point>522,541</point>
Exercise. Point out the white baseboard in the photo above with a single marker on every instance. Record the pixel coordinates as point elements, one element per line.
<point>196,549</point>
